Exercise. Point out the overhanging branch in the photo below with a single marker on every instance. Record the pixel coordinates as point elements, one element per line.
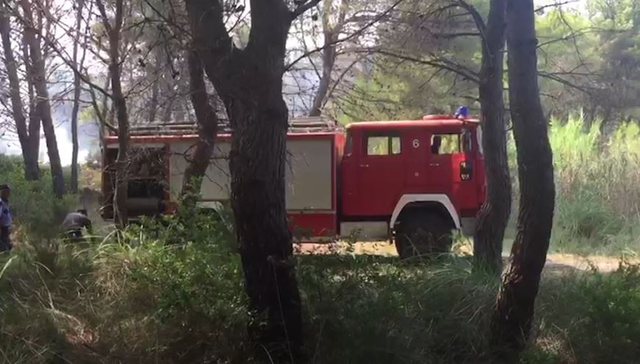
<point>303,7</point>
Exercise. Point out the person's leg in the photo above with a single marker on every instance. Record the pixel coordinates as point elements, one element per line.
<point>5,239</point>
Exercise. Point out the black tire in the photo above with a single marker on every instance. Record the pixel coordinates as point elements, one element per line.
<point>423,233</point>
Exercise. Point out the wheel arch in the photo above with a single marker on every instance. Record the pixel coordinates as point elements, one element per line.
<point>435,202</point>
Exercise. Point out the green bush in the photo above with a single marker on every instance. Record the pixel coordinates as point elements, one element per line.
<point>38,214</point>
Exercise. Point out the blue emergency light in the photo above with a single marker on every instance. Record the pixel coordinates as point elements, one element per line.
<point>462,112</point>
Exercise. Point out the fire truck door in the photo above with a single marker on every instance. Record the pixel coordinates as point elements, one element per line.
<point>440,171</point>
<point>466,178</point>
<point>380,176</point>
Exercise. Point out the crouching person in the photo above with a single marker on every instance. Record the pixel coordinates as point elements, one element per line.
<point>73,224</point>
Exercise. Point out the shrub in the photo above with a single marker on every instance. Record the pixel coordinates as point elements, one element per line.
<point>38,214</point>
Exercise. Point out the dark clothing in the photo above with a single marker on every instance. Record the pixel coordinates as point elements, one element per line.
<point>5,239</point>
<point>6,220</point>
<point>76,221</point>
<point>73,224</point>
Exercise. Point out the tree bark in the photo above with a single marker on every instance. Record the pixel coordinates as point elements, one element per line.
<point>76,98</point>
<point>493,217</point>
<point>329,53</point>
<point>29,137</point>
<point>207,130</point>
<point>514,310</point>
<point>34,119</point>
<point>249,82</point>
<point>328,62</point>
<point>153,103</point>
<point>120,109</point>
<point>43,105</point>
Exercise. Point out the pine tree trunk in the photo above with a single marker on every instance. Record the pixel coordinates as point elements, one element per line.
<point>43,105</point>
<point>257,167</point>
<point>121,215</point>
<point>249,82</point>
<point>25,137</point>
<point>76,100</point>
<point>207,130</point>
<point>155,86</point>
<point>493,216</point>
<point>328,61</point>
<point>514,310</point>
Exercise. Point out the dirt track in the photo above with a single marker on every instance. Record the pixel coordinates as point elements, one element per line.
<point>556,263</point>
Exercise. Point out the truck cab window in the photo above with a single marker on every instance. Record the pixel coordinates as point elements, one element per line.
<point>381,145</point>
<point>446,144</point>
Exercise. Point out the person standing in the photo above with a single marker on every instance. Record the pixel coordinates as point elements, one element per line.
<point>6,219</point>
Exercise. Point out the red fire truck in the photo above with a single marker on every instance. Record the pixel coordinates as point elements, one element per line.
<point>410,182</point>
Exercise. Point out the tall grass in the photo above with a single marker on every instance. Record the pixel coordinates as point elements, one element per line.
<point>135,298</point>
<point>598,195</point>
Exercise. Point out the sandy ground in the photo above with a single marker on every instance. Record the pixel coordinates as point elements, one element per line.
<point>555,262</point>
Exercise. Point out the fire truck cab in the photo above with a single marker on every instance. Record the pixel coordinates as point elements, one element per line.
<point>410,182</point>
<point>414,181</point>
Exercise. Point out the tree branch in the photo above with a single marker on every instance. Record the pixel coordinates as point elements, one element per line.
<point>345,39</point>
<point>477,18</point>
<point>439,63</point>
<point>303,7</point>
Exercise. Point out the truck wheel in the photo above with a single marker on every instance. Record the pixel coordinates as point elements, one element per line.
<point>423,234</point>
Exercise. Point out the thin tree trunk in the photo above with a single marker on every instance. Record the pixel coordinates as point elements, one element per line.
<point>514,310</point>
<point>43,104</point>
<point>76,98</point>
<point>120,108</point>
<point>34,119</point>
<point>493,216</point>
<point>328,62</point>
<point>207,130</point>
<point>153,103</point>
<point>29,155</point>
<point>120,105</point>
<point>167,113</point>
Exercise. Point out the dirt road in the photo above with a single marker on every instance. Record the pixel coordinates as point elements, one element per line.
<point>555,262</point>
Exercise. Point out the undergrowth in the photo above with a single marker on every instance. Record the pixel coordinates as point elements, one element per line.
<point>171,292</point>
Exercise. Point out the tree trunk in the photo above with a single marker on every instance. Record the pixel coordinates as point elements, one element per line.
<point>207,130</point>
<point>153,103</point>
<point>249,82</point>
<point>493,216</point>
<point>167,113</point>
<point>328,61</point>
<point>514,310</point>
<point>29,155</point>
<point>34,120</point>
<point>119,108</point>
<point>43,105</point>
<point>120,105</point>
<point>257,167</point>
<point>76,99</point>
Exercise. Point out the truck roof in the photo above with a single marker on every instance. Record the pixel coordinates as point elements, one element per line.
<point>310,126</point>
<point>429,121</point>
<point>300,125</point>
